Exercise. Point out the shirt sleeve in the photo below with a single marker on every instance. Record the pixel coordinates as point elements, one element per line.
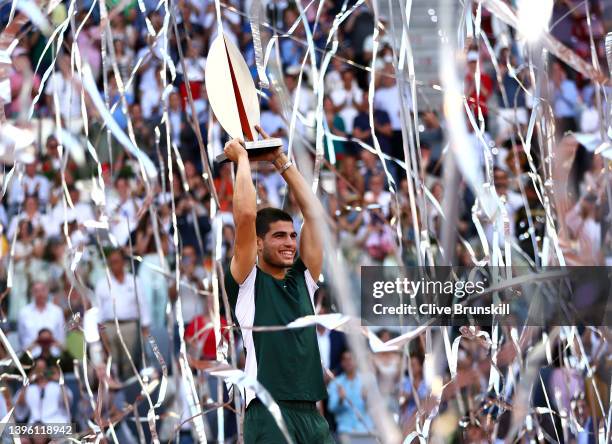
<point>334,404</point>
<point>311,284</point>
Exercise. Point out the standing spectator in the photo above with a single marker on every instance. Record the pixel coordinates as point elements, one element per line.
<point>382,126</point>
<point>38,314</point>
<point>67,89</point>
<point>176,117</point>
<point>145,140</point>
<point>30,184</point>
<point>512,202</point>
<point>332,343</point>
<point>347,400</point>
<point>272,120</point>
<point>335,125</point>
<point>477,100</point>
<point>387,98</point>
<point>414,387</point>
<point>511,98</point>
<point>585,229</point>
<point>387,365</point>
<point>124,55</point>
<point>564,98</point>
<point>378,195</point>
<point>120,297</point>
<point>192,277</point>
<point>22,250</point>
<point>155,286</point>
<point>46,347</point>
<point>31,215</point>
<point>432,137</point>
<point>122,211</point>
<point>44,401</point>
<point>347,98</point>
<point>24,82</point>
<point>195,63</point>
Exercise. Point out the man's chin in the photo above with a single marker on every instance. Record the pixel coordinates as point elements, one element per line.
<point>284,262</point>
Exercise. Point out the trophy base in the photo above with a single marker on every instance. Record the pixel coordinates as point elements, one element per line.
<point>255,148</point>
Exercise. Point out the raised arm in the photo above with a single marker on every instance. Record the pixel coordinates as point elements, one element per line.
<point>245,212</point>
<point>311,242</point>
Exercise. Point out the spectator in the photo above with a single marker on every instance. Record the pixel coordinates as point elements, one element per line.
<point>30,184</point>
<point>332,343</point>
<point>347,400</point>
<point>47,348</point>
<point>272,120</point>
<point>432,137</point>
<point>153,248</point>
<point>511,97</point>
<point>122,209</point>
<point>387,98</point>
<point>23,81</point>
<point>22,250</point>
<point>63,91</point>
<point>585,229</point>
<point>347,98</point>
<point>38,314</point>
<point>119,298</point>
<point>414,388</point>
<point>387,365</point>
<point>44,401</point>
<point>564,98</point>
<point>478,98</point>
<point>378,195</point>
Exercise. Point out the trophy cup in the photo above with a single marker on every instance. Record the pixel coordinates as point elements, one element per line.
<point>233,97</point>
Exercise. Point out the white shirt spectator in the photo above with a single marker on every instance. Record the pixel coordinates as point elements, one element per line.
<point>514,202</point>
<point>37,220</point>
<point>388,99</point>
<point>129,303</point>
<point>37,184</point>
<point>272,122</point>
<point>383,199</point>
<point>324,347</point>
<point>192,302</point>
<point>345,99</point>
<point>44,404</point>
<point>81,212</point>
<point>32,320</point>
<point>122,218</point>
<point>195,69</point>
<point>68,95</point>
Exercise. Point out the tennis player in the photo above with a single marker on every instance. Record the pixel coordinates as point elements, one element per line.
<point>268,283</point>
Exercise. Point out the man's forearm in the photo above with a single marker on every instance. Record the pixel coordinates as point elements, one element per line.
<point>309,204</point>
<point>245,197</point>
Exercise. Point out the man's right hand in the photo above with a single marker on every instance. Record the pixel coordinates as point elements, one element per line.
<point>234,150</point>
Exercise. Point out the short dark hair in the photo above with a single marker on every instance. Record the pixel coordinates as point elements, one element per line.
<point>267,216</point>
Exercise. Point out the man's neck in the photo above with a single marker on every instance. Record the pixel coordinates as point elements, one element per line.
<point>351,375</point>
<point>40,307</point>
<point>276,272</point>
<point>119,277</point>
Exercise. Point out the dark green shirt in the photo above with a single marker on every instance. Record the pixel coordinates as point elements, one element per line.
<point>287,363</point>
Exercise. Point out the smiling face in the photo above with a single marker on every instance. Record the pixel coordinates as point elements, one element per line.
<point>279,245</point>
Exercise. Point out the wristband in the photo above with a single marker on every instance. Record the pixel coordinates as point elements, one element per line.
<point>285,167</point>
